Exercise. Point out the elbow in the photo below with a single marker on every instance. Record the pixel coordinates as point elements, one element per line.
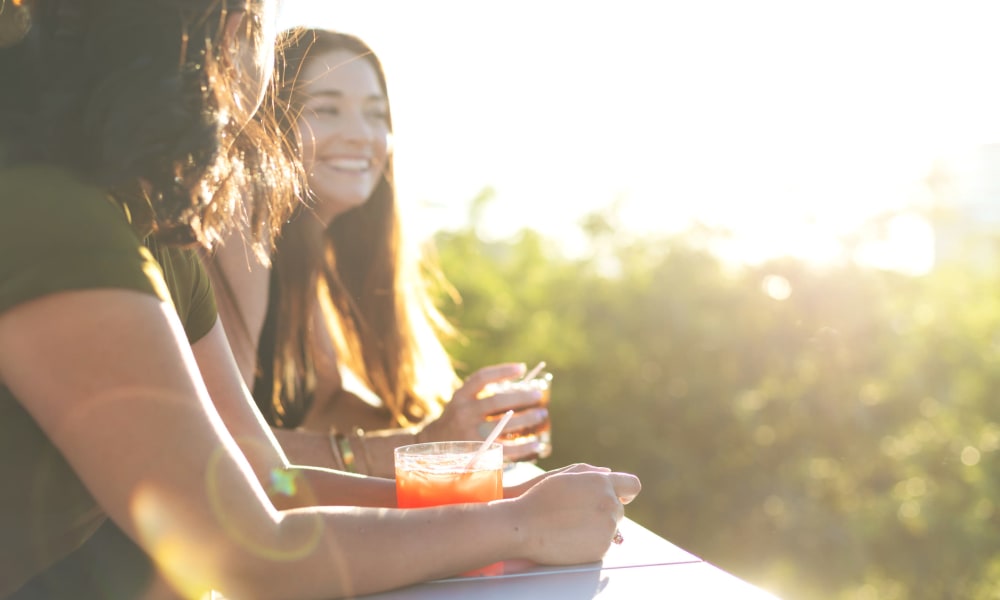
<point>239,562</point>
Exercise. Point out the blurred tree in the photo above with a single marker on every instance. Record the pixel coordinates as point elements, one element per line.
<point>823,433</point>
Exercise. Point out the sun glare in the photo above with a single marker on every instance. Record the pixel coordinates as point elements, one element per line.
<point>760,118</point>
<point>908,247</point>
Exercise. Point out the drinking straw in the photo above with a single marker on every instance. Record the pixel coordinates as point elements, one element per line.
<point>490,438</point>
<point>531,374</point>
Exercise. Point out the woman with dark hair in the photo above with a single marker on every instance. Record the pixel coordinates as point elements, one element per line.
<point>134,462</point>
<point>340,341</point>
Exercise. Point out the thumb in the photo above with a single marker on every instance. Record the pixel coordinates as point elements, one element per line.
<point>627,486</point>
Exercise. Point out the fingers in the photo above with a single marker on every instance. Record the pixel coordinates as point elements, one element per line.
<point>581,468</point>
<point>627,486</point>
<point>522,452</point>
<point>586,505</point>
<point>527,420</point>
<point>575,468</point>
<point>491,374</point>
<point>624,486</point>
<point>507,400</point>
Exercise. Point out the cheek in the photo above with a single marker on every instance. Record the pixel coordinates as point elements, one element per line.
<point>383,147</point>
<point>308,140</point>
<point>387,141</point>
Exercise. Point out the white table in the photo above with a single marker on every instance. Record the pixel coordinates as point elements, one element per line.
<point>644,566</point>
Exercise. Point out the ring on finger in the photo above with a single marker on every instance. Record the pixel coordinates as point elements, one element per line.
<point>619,538</point>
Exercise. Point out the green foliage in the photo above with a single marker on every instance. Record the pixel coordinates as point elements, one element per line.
<point>823,433</point>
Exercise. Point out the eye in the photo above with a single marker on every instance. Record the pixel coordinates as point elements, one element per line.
<point>378,114</point>
<point>327,110</point>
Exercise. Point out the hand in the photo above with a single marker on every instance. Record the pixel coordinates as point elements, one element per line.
<point>570,517</point>
<point>465,417</point>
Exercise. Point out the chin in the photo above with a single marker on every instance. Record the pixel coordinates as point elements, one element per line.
<point>331,209</point>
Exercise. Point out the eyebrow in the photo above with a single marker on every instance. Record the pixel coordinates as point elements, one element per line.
<point>340,94</point>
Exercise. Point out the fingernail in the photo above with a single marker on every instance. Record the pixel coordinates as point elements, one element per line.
<point>542,413</point>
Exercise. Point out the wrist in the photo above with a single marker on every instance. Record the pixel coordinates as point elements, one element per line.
<point>343,453</point>
<point>362,463</point>
<point>509,515</point>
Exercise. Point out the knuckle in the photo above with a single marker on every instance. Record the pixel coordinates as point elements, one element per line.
<point>492,405</point>
<point>477,379</point>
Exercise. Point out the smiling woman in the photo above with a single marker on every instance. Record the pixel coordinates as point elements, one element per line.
<point>340,338</point>
<point>345,129</point>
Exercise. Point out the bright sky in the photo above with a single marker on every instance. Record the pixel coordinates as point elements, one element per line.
<point>786,120</point>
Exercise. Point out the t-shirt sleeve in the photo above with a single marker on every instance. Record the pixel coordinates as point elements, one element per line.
<point>197,309</point>
<point>57,234</point>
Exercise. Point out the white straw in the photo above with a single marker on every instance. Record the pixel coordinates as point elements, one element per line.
<point>490,438</point>
<point>531,374</point>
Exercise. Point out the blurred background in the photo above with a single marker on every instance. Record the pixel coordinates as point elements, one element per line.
<point>757,243</point>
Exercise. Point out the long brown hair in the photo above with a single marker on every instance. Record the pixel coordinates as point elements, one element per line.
<point>374,293</point>
<point>121,91</point>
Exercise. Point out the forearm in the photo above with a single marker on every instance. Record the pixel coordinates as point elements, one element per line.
<point>309,448</point>
<point>374,450</point>
<point>371,451</point>
<point>315,486</point>
<point>325,482</point>
<point>348,548</point>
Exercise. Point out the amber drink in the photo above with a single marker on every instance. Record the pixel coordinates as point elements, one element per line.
<point>538,438</point>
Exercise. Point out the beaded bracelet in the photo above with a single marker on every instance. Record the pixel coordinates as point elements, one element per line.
<point>340,446</point>
<point>363,448</point>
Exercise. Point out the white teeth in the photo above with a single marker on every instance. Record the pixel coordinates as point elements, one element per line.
<point>349,164</point>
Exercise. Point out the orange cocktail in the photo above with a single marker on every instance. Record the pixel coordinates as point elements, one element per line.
<point>439,473</point>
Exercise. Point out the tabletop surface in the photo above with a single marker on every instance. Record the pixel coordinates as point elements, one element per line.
<point>681,581</point>
<point>644,566</point>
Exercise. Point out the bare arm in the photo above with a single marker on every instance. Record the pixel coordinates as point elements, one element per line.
<point>258,442</point>
<point>120,395</point>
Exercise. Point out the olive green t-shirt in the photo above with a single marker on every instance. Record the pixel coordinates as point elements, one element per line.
<point>58,234</point>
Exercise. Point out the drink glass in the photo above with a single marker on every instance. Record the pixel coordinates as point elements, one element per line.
<point>436,473</point>
<point>538,438</point>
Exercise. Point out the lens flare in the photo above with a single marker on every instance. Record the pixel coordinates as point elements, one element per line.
<point>188,566</point>
<point>216,495</point>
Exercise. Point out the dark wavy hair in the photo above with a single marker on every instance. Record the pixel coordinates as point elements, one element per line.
<point>129,91</point>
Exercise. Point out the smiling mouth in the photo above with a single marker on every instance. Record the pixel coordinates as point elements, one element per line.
<point>349,165</point>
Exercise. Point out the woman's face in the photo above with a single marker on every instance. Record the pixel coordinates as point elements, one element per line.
<point>345,130</point>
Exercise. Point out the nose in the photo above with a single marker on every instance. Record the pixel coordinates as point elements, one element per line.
<point>358,129</point>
